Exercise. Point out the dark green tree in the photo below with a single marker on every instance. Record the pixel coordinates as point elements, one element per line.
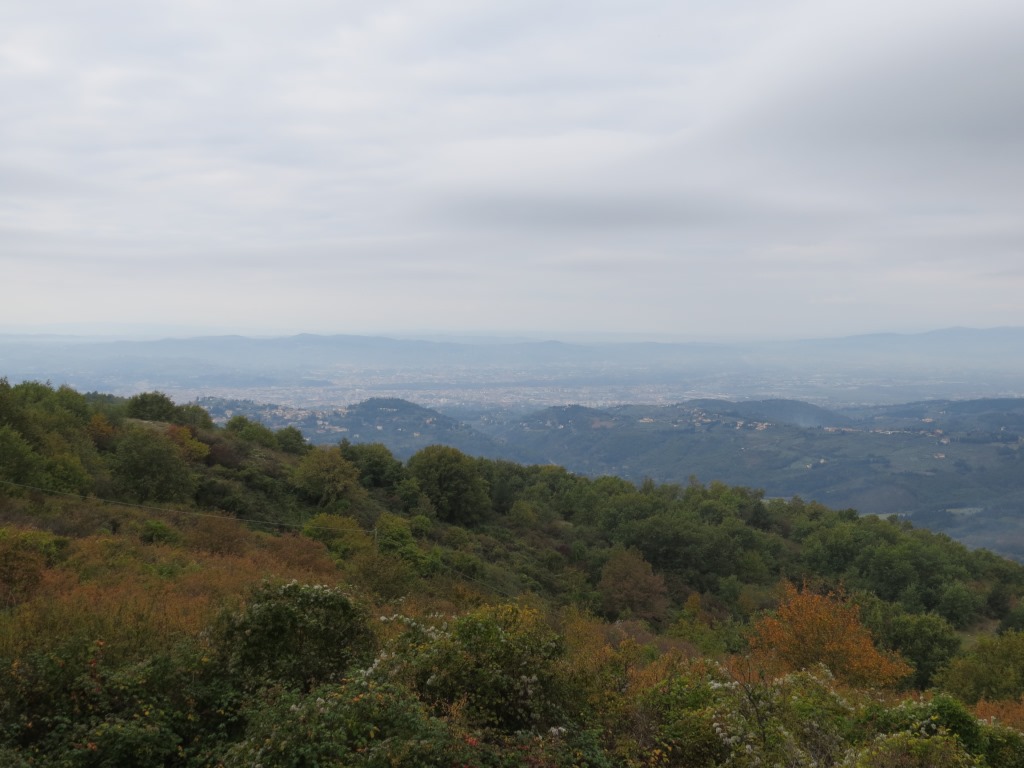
<point>251,431</point>
<point>452,482</point>
<point>290,440</point>
<point>18,462</point>
<point>329,480</point>
<point>925,640</point>
<point>378,468</point>
<point>151,406</point>
<point>194,416</point>
<point>148,466</point>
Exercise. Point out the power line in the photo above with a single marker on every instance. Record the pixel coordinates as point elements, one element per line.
<point>296,526</point>
<point>148,508</point>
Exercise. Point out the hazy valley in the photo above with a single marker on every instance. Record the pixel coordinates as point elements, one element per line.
<point>314,371</point>
<point>927,426</point>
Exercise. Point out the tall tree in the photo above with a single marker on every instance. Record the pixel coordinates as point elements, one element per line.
<point>329,480</point>
<point>148,466</point>
<point>151,406</point>
<point>453,483</point>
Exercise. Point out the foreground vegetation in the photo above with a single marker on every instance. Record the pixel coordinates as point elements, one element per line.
<point>179,594</point>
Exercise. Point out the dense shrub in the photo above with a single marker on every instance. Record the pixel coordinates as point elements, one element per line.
<point>912,750</point>
<point>294,635</point>
<point>355,723</point>
<point>495,666</point>
<point>992,669</point>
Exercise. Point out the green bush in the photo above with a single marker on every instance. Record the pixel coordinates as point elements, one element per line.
<point>798,719</point>
<point>294,635</point>
<point>941,715</point>
<point>993,669</point>
<point>143,737</point>
<point>495,666</point>
<point>342,535</point>
<point>357,723</point>
<point>1004,747</point>
<point>159,532</point>
<point>78,705</point>
<point>912,750</point>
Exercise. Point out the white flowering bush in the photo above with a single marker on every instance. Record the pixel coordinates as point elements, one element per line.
<point>796,720</point>
<point>359,723</point>
<point>927,718</point>
<point>493,666</point>
<point>908,749</point>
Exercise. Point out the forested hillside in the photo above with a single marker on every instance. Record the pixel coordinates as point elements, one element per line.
<point>949,466</point>
<point>181,594</point>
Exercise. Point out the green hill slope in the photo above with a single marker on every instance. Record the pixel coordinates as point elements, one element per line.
<point>177,593</point>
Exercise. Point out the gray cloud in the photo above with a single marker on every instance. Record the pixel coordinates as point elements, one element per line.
<point>733,167</point>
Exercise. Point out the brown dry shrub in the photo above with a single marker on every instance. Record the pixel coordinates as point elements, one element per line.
<point>219,536</point>
<point>1009,712</point>
<point>301,554</point>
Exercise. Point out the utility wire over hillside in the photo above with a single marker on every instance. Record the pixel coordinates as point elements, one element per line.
<point>269,525</point>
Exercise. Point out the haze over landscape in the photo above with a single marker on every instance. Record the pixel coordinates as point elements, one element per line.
<point>491,210</point>
<point>512,384</point>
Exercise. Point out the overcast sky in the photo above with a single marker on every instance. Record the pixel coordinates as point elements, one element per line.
<point>690,168</point>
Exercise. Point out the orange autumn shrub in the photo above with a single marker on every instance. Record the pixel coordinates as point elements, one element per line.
<point>809,629</point>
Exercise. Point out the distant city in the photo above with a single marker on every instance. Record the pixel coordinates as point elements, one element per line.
<point>332,371</point>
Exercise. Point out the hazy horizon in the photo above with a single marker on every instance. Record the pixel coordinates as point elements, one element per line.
<point>156,333</point>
